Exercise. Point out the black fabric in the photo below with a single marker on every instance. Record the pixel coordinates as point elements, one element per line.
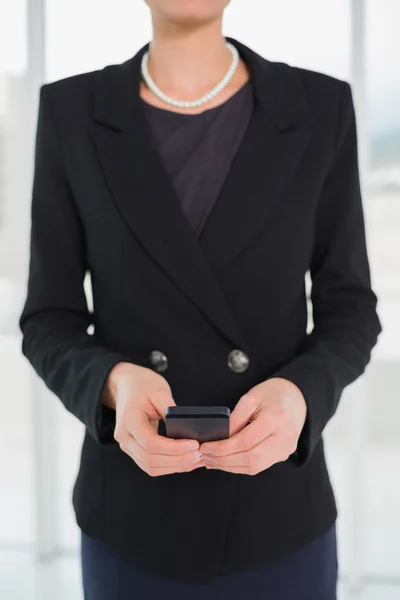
<point>197,149</point>
<point>310,573</point>
<point>102,201</point>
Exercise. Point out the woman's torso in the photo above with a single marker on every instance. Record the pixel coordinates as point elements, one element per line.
<point>156,285</point>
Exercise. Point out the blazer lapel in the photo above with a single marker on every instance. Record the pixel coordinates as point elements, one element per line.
<point>144,194</point>
<point>264,164</point>
<point>145,197</point>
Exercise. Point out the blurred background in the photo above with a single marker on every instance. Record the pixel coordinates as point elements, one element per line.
<point>44,40</point>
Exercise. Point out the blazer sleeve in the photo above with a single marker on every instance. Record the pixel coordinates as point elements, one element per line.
<point>54,321</point>
<point>346,324</point>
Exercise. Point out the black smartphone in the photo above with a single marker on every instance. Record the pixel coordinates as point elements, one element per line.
<point>201,423</point>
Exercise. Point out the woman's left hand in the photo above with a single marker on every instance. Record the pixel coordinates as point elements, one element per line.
<point>265,427</point>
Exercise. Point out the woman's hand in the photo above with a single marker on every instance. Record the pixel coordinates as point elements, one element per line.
<point>277,411</point>
<point>140,397</point>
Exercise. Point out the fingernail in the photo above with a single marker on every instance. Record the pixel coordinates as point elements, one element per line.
<point>206,450</point>
<point>193,446</point>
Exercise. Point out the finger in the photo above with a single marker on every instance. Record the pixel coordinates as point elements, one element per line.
<point>240,470</point>
<point>153,443</point>
<point>260,455</point>
<point>243,412</point>
<point>241,441</point>
<point>131,447</point>
<point>245,470</point>
<point>155,471</point>
<point>158,471</point>
<point>249,469</point>
<point>160,400</point>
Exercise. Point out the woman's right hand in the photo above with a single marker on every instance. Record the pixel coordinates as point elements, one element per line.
<point>140,396</point>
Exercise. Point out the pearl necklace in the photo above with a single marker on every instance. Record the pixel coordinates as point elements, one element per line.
<point>189,104</point>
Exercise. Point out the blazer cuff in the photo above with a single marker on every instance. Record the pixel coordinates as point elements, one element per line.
<point>100,420</point>
<point>312,387</point>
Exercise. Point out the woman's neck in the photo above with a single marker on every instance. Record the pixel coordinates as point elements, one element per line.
<point>187,62</point>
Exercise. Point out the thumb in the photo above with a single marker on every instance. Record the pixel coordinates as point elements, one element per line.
<point>243,413</point>
<point>161,399</point>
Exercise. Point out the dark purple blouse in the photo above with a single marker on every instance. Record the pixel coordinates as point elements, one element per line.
<point>197,150</point>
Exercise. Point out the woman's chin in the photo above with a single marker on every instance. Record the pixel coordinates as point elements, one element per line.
<point>188,12</point>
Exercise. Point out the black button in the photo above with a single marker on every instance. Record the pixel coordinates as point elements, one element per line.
<point>238,360</point>
<point>158,360</point>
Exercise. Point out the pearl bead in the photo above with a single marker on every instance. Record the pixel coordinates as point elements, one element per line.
<point>191,103</point>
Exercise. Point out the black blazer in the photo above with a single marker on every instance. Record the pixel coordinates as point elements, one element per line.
<point>102,203</point>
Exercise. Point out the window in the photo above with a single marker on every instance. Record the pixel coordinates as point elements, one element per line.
<point>365,433</point>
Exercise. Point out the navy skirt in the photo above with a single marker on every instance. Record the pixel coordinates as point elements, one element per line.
<point>307,574</point>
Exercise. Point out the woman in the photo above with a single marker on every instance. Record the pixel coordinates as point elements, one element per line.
<point>198,182</point>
